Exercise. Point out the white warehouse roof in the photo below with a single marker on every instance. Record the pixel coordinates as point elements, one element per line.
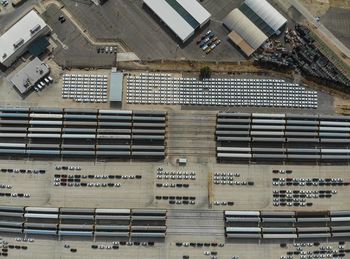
<point>19,34</point>
<point>183,17</point>
<point>196,10</point>
<point>267,13</point>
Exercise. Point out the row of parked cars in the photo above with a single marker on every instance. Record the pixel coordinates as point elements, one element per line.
<point>4,3</point>
<point>22,171</point>
<point>41,85</point>
<point>116,245</point>
<point>208,42</point>
<point>68,168</point>
<point>309,182</point>
<point>107,50</point>
<point>19,195</point>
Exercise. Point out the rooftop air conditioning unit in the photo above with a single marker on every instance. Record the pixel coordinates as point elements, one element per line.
<point>35,29</point>
<point>18,43</point>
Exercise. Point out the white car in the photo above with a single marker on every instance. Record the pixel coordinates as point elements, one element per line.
<point>4,2</point>
<point>205,47</point>
<point>50,79</point>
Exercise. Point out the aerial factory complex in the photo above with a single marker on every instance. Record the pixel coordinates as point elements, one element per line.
<point>175,129</point>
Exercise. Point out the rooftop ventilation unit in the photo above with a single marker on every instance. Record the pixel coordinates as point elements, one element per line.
<point>35,29</point>
<point>18,43</point>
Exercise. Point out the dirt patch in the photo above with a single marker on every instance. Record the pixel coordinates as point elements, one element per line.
<point>338,22</point>
<point>317,7</point>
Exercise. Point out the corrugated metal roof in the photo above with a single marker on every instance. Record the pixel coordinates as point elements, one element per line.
<point>184,13</point>
<point>238,22</point>
<point>267,13</point>
<point>171,18</point>
<point>196,10</point>
<point>257,20</point>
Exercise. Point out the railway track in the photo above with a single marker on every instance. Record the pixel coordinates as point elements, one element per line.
<point>191,134</point>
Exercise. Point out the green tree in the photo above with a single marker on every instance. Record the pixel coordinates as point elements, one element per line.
<point>205,72</point>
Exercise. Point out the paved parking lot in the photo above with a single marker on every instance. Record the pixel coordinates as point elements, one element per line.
<point>44,249</point>
<point>73,49</point>
<point>246,197</point>
<point>141,193</point>
<point>128,21</point>
<point>201,222</point>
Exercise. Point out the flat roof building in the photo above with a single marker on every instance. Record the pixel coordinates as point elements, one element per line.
<point>252,24</point>
<point>116,86</point>
<point>183,17</point>
<point>29,75</point>
<point>16,40</point>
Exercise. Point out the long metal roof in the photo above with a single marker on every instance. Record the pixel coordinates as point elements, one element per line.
<point>267,13</point>
<point>183,17</point>
<point>196,10</point>
<point>171,18</point>
<point>247,30</point>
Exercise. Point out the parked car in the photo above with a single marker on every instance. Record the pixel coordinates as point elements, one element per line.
<point>202,45</point>
<point>50,79</point>
<point>205,47</point>
<point>208,50</point>
<point>61,19</point>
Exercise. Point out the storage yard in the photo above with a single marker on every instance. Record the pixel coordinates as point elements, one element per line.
<point>173,129</point>
<point>289,137</point>
<point>164,89</point>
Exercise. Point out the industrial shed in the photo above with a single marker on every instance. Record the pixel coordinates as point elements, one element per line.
<point>264,11</point>
<point>183,17</point>
<point>244,33</point>
<point>16,40</point>
<point>252,24</point>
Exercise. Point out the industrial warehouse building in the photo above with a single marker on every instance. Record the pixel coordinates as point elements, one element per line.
<point>29,75</point>
<point>183,17</point>
<point>252,24</point>
<point>18,38</point>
